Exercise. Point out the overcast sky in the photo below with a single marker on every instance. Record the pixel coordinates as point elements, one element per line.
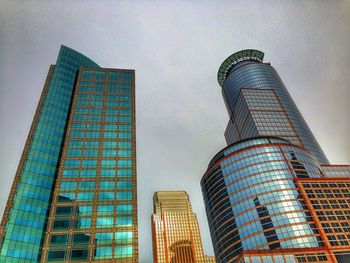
<point>176,48</point>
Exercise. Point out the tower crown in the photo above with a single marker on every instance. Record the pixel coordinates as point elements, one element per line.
<point>246,54</point>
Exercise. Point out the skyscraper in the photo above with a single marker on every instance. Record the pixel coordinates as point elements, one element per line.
<point>74,194</point>
<point>175,230</point>
<point>259,104</point>
<point>271,194</point>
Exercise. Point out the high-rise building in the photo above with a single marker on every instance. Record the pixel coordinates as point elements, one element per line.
<point>175,230</point>
<point>259,104</point>
<point>74,194</point>
<point>271,194</point>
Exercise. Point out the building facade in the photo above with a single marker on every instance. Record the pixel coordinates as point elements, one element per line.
<point>74,195</point>
<point>175,230</point>
<point>271,194</point>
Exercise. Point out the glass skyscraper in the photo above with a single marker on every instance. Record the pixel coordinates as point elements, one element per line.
<point>259,104</point>
<point>175,230</point>
<point>271,194</point>
<point>74,194</point>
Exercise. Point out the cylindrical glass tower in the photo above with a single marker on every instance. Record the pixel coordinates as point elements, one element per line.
<point>259,104</point>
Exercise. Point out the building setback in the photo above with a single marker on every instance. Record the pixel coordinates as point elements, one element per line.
<point>74,195</point>
<point>271,194</point>
<point>175,230</point>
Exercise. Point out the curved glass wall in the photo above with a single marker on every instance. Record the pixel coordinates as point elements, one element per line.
<point>251,74</point>
<point>252,201</point>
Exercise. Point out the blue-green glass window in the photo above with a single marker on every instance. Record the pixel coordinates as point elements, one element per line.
<point>125,135</point>
<point>107,185</point>
<point>68,186</point>
<point>83,223</point>
<point>124,163</point>
<point>125,127</point>
<point>125,145</point>
<point>125,119</point>
<point>72,163</point>
<point>58,240</point>
<point>82,103</point>
<point>125,98</point>
<point>66,197</point>
<point>123,221</point>
<point>80,239</point>
<point>77,134</point>
<point>125,104</point>
<point>89,163</point>
<point>108,163</point>
<point>56,255</point>
<point>90,153</point>
<point>111,127</point>
<point>73,152</point>
<point>94,118</point>
<point>105,210</point>
<point>92,135</point>
<point>125,112</point>
<point>108,173</point>
<point>87,196</point>
<point>106,196</point>
<point>100,75</point>
<point>102,222</point>
<point>95,111</point>
<point>95,96</point>
<point>113,76</point>
<point>124,153</point>
<point>88,173</point>
<point>84,96</point>
<point>122,185</point>
<point>91,144</point>
<point>75,143</point>
<point>70,173</point>
<point>124,172</point>
<point>87,185</point>
<point>112,135</point>
<point>113,97</point>
<point>87,75</point>
<point>110,144</point>
<point>85,83</point>
<point>112,104</point>
<point>104,238</point>
<point>78,111</point>
<point>124,195</point>
<point>123,251</point>
<point>103,252</point>
<point>111,111</point>
<point>63,210</point>
<point>96,103</point>
<point>79,254</point>
<point>61,224</point>
<point>111,118</point>
<point>84,210</point>
<point>126,91</point>
<point>123,237</point>
<point>109,153</point>
<point>124,209</point>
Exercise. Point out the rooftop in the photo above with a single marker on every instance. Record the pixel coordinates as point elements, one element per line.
<point>246,54</point>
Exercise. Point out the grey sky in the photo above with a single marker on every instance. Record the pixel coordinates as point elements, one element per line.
<point>176,48</point>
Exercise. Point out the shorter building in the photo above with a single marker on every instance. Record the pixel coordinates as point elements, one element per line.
<point>175,230</point>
